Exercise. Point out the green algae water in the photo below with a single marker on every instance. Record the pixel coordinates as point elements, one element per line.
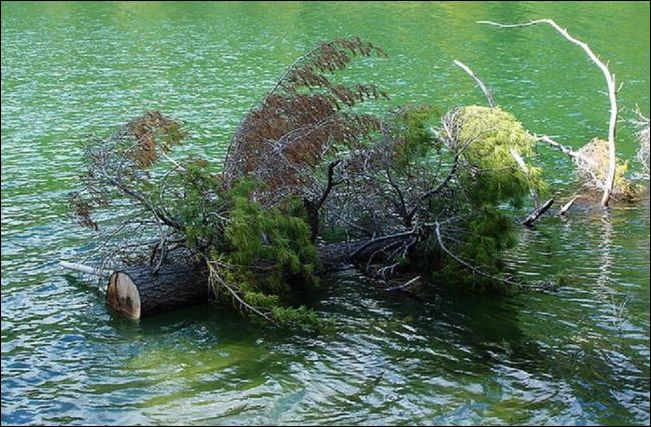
<point>576,356</point>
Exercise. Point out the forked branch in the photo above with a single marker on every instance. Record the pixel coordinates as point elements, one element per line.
<point>612,93</point>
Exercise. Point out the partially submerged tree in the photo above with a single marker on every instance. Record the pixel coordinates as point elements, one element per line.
<point>254,223</point>
<point>313,181</point>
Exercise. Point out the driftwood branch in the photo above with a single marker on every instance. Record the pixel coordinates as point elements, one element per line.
<point>482,86</point>
<point>537,213</point>
<point>404,285</point>
<point>565,149</point>
<point>82,268</point>
<point>566,207</point>
<point>612,93</point>
<point>579,158</point>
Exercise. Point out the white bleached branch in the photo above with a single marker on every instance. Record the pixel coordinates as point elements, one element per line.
<point>612,93</point>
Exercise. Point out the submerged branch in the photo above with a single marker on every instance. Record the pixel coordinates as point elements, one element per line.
<point>537,213</point>
<point>82,268</point>
<point>481,273</point>
<point>566,207</point>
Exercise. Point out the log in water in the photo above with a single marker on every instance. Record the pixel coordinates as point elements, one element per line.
<point>136,292</point>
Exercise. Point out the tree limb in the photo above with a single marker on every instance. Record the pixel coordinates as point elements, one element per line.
<point>612,93</point>
<point>482,86</point>
<point>537,213</point>
<point>566,207</point>
<point>84,269</point>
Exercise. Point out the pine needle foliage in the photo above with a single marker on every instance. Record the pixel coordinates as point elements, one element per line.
<point>488,135</point>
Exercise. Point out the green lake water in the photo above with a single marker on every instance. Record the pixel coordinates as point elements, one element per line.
<point>576,356</point>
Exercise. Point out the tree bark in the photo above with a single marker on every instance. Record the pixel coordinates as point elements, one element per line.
<point>136,293</point>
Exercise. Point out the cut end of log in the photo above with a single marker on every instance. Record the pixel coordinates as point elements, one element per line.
<point>122,295</point>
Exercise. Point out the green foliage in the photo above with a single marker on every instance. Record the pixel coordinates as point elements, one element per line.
<point>490,178</point>
<point>496,131</point>
<point>271,255</point>
<point>489,233</point>
<point>333,234</point>
<point>495,177</point>
<point>200,206</point>
<point>276,241</point>
<point>300,316</point>
<point>412,128</point>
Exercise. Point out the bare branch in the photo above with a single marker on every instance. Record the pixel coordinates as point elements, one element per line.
<point>404,285</point>
<point>612,93</point>
<point>566,207</point>
<point>537,213</point>
<point>84,269</point>
<point>565,149</point>
<point>218,283</point>
<point>482,86</point>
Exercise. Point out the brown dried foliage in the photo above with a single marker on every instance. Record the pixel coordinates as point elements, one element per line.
<point>151,131</point>
<point>82,212</point>
<point>304,120</point>
<point>115,165</point>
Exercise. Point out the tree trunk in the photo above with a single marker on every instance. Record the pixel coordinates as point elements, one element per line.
<point>135,292</point>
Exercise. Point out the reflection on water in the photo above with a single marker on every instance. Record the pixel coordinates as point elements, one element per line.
<point>579,355</point>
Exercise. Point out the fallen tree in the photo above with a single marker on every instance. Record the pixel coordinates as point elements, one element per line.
<point>138,291</point>
<point>312,180</point>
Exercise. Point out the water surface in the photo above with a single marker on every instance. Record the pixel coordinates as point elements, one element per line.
<point>577,356</point>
